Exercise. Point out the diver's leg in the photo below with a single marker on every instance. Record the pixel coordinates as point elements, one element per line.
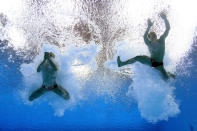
<point>165,75</point>
<point>142,59</point>
<point>37,93</point>
<point>61,92</point>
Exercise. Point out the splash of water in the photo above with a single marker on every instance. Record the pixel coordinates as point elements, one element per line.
<point>154,96</point>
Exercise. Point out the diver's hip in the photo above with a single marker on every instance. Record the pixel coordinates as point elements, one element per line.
<point>155,63</point>
<point>49,86</point>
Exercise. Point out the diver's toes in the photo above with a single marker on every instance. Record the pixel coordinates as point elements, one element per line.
<point>67,96</point>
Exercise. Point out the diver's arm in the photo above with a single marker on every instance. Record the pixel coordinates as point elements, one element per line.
<point>167,24</point>
<point>146,32</point>
<point>52,64</point>
<point>39,67</point>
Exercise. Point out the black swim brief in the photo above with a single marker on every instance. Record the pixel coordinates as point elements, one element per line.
<point>155,63</point>
<point>50,87</point>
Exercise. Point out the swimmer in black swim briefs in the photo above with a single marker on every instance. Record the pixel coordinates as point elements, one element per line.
<point>156,48</point>
<point>48,70</point>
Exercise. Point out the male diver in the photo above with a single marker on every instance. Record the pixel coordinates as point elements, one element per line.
<point>156,48</point>
<point>48,70</point>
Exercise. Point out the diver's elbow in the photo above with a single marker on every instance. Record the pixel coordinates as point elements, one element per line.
<point>167,28</point>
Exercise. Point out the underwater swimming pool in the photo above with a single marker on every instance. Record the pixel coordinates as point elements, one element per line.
<point>86,39</point>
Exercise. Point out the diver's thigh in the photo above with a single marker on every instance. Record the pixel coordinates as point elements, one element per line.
<point>37,93</point>
<point>144,60</point>
<point>41,90</point>
<point>61,92</point>
<point>57,91</point>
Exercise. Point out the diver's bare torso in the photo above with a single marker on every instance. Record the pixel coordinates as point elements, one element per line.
<point>157,50</point>
<point>48,74</point>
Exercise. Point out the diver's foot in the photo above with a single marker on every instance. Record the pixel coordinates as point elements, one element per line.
<point>66,95</point>
<point>172,75</point>
<point>119,61</point>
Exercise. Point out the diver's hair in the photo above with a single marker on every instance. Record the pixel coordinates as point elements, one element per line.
<point>152,34</point>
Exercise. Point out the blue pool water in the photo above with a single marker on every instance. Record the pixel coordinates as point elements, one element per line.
<point>95,114</point>
<point>86,43</point>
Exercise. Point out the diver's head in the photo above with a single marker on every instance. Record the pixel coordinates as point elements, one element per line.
<point>152,36</point>
<point>48,55</point>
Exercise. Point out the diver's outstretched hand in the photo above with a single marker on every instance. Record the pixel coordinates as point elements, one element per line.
<point>149,23</point>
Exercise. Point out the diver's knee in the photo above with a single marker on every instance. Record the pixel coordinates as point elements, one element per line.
<point>138,58</point>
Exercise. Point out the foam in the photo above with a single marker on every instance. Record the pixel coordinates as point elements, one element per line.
<point>154,96</point>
